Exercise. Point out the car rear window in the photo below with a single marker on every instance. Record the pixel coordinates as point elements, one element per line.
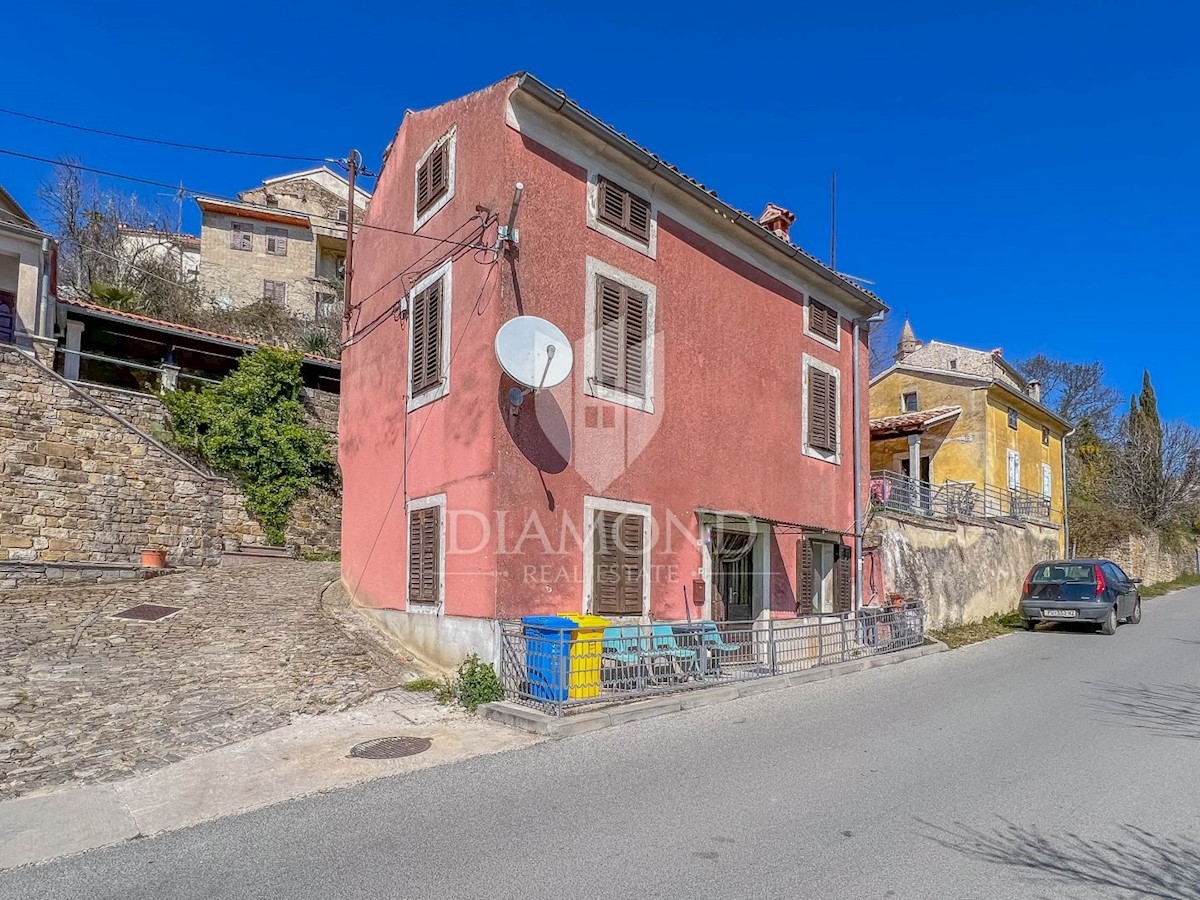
<point>1064,574</point>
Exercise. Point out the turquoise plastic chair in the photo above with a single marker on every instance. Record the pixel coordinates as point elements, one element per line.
<point>714,640</point>
<point>620,648</point>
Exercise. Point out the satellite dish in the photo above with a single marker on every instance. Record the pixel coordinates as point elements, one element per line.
<point>533,352</point>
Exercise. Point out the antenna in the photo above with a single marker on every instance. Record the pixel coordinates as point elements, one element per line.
<point>534,353</point>
<point>833,221</point>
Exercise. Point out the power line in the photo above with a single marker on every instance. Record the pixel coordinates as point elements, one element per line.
<point>160,142</point>
<point>214,194</point>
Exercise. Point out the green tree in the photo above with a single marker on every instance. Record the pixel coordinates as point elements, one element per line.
<point>252,426</point>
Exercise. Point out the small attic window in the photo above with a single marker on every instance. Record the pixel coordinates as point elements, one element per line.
<point>953,364</point>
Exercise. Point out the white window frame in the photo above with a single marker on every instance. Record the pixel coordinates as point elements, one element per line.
<point>424,503</point>
<point>594,222</point>
<point>591,387</point>
<point>815,452</point>
<point>442,388</point>
<point>903,400</point>
<point>1013,463</point>
<point>820,338</point>
<point>593,505</point>
<point>451,138</point>
<point>1047,482</point>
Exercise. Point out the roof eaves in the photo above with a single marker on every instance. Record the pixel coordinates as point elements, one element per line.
<point>559,102</point>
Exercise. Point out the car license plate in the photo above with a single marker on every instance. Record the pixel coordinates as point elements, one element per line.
<point>1059,613</point>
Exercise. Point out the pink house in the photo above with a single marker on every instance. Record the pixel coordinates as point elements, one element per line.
<point>705,447</point>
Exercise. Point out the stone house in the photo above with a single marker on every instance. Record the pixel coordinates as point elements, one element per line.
<point>947,415</point>
<point>700,456</point>
<point>284,242</point>
<point>180,251</point>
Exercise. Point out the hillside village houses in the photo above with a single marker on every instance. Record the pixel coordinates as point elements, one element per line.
<point>283,241</point>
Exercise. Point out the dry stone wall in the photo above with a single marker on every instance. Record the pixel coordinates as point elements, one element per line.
<point>1145,557</point>
<point>85,486</point>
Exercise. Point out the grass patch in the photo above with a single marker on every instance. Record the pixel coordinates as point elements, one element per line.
<point>423,685</point>
<point>1165,587</point>
<point>992,626</point>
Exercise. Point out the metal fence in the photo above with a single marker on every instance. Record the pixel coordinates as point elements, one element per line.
<point>561,669</point>
<point>896,492</point>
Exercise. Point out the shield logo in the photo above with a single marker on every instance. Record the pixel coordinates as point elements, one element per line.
<point>610,424</point>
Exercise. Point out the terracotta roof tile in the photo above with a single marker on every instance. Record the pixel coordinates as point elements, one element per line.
<point>907,423</point>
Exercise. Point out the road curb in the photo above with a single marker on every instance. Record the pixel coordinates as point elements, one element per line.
<point>537,722</point>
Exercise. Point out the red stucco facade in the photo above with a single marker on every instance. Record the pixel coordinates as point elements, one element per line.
<point>730,348</point>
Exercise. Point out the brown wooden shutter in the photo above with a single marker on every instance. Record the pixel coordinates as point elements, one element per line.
<point>822,320</point>
<point>427,338</point>
<point>617,571</point>
<point>8,316</point>
<point>818,408</point>
<point>623,209</point>
<point>621,337</point>
<point>424,554</point>
<point>804,577</point>
<point>843,600</point>
<point>433,177</point>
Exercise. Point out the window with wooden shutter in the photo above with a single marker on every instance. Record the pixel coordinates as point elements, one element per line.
<point>822,409</point>
<point>622,209</point>
<point>618,565</point>
<point>843,580</point>
<point>433,177</point>
<point>822,320</point>
<point>621,337</point>
<point>424,554</point>
<point>426,363</point>
<point>275,291</point>
<point>804,578</point>
<point>241,236</point>
<point>277,241</point>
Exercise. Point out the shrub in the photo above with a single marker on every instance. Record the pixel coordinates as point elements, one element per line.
<point>252,426</point>
<point>475,684</point>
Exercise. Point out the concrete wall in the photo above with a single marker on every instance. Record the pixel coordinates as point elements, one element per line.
<point>725,431</point>
<point>962,572</point>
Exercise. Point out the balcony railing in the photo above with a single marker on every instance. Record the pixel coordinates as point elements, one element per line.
<point>899,493</point>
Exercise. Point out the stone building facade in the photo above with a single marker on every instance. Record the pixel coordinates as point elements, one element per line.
<point>284,241</point>
<point>85,486</point>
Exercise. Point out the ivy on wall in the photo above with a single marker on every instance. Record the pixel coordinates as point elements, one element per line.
<point>252,427</point>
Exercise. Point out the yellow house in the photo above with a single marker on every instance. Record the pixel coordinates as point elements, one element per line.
<point>969,431</point>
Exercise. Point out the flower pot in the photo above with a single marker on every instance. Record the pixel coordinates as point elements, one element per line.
<point>154,559</point>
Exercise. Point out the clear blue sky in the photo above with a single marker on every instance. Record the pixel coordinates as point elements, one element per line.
<point>1014,174</point>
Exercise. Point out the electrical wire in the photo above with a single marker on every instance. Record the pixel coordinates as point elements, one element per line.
<point>160,142</point>
<point>213,194</point>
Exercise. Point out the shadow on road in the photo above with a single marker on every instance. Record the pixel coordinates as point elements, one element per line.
<point>1135,862</point>
<point>1166,710</point>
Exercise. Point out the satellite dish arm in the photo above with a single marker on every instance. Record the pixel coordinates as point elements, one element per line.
<point>549,359</point>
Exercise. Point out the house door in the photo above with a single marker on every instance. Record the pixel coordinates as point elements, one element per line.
<point>8,317</point>
<point>733,576</point>
<point>924,492</point>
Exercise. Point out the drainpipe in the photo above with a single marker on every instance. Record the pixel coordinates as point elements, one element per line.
<point>1066,518</point>
<point>856,428</point>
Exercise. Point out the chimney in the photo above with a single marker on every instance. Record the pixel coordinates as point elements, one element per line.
<point>1035,390</point>
<point>908,343</point>
<point>777,220</point>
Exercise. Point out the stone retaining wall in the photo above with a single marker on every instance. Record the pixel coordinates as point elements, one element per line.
<point>962,571</point>
<point>85,483</point>
<point>1145,557</point>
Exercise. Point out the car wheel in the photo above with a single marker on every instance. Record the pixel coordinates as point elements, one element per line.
<point>1137,613</point>
<point>1030,624</point>
<point>1110,623</point>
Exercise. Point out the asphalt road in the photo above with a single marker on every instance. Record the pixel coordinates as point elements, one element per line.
<point>1053,764</point>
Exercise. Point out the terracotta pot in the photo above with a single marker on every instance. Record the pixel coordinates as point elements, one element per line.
<point>154,559</point>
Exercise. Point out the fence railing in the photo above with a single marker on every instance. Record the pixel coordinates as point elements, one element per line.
<point>896,492</point>
<point>561,669</point>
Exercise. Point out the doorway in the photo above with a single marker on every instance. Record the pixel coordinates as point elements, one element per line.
<point>923,496</point>
<point>733,575</point>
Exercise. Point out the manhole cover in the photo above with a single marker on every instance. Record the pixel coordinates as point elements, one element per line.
<point>148,612</point>
<point>391,747</point>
